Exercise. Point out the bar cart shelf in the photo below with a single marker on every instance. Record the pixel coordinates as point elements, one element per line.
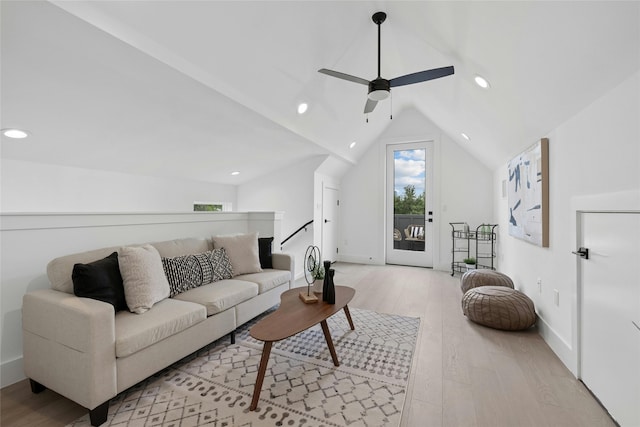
<point>479,244</point>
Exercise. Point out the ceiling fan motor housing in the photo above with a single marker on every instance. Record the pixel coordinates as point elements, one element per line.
<point>379,89</point>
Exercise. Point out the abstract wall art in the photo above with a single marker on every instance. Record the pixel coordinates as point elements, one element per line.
<point>528,194</point>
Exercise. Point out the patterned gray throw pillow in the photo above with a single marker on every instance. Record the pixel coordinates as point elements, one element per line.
<point>222,268</point>
<point>190,271</point>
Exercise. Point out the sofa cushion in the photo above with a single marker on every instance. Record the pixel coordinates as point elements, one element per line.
<point>143,277</point>
<point>100,280</point>
<point>267,279</point>
<point>188,272</point>
<point>168,317</point>
<point>219,296</point>
<point>264,252</point>
<point>242,250</point>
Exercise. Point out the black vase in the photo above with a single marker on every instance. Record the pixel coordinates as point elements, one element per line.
<point>331,288</point>
<point>325,284</point>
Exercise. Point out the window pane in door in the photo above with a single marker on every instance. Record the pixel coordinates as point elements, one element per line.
<point>409,182</point>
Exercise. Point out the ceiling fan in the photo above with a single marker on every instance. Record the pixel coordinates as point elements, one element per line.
<point>380,88</point>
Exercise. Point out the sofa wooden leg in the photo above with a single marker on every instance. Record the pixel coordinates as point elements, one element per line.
<point>36,387</point>
<point>98,415</point>
<point>232,337</point>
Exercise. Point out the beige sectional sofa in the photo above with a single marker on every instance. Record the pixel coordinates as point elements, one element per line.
<point>84,350</point>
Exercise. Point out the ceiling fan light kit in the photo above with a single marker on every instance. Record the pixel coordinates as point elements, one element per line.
<point>380,88</point>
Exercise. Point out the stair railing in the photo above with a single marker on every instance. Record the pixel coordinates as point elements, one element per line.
<point>304,227</point>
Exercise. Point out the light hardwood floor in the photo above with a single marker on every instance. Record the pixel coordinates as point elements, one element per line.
<point>463,374</point>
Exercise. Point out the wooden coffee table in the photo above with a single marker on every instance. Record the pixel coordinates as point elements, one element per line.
<point>292,317</point>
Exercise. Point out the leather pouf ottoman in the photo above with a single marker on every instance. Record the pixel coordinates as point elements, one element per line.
<point>476,278</point>
<point>499,307</point>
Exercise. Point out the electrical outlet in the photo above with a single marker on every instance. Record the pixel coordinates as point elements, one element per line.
<point>556,297</point>
<point>539,282</point>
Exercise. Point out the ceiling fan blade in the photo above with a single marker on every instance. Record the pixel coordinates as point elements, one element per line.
<point>370,105</point>
<point>344,76</point>
<point>421,76</point>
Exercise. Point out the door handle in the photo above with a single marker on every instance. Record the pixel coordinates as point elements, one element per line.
<point>327,220</point>
<point>582,252</point>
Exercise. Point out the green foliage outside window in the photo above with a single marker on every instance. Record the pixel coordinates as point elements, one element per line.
<point>207,208</point>
<point>410,203</point>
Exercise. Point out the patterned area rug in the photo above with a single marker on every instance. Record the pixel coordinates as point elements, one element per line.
<point>214,386</point>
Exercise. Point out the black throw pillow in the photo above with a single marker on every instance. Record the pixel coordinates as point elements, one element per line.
<point>100,280</point>
<point>264,252</point>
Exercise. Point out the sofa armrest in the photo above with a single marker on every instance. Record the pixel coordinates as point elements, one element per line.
<point>69,345</point>
<point>282,261</point>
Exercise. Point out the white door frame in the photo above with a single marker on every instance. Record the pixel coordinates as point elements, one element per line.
<point>595,352</point>
<point>628,200</point>
<point>426,258</point>
<point>327,252</point>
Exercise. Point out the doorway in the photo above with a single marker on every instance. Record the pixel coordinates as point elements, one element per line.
<point>409,213</point>
<point>609,298</point>
<point>330,205</point>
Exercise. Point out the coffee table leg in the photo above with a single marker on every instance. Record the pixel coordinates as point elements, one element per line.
<point>327,336</point>
<point>348,314</point>
<point>264,360</point>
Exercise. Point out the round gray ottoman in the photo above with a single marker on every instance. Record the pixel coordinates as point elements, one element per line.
<point>499,307</point>
<point>476,278</point>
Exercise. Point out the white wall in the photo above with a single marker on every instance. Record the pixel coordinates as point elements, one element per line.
<point>289,190</point>
<point>462,189</point>
<point>37,187</point>
<point>595,154</point>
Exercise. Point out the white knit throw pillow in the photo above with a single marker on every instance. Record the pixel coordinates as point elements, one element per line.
<point>143,277</point>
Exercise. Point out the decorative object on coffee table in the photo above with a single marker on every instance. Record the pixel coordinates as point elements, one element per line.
<point>329,288</point>
<point>311,264</point>
<point>318,275</point>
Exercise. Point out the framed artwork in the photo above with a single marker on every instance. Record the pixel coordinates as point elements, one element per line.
<point>528,194</point>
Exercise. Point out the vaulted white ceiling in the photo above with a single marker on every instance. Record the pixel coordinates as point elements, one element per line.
<point>198,89</point>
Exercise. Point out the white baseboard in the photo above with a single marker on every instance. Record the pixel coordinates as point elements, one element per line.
<point>357,259</point>
<point>11,372</point>
<point>558,345</point>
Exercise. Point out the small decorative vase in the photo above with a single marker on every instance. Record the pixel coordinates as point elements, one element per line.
<point>327,278</point>
<point>317,286</point>
<point>331,289</point>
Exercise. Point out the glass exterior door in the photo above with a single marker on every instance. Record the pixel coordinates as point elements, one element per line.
<point>409,197</point>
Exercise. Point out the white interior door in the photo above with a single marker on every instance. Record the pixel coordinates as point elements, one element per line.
<point>610,312</point>
<point>330,204</point>
<point>409,218</point>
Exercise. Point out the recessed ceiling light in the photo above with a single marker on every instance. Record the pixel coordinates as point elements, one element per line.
<point>353,144</point>
<point>15,133</point>
<point>302,107</point>
<point>234,173</point>
<point>481,81</point>
<point>465,136</point>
